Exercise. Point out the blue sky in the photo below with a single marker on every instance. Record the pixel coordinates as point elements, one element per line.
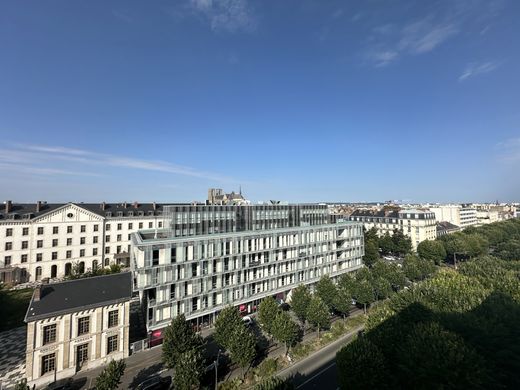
<point>301,101</point>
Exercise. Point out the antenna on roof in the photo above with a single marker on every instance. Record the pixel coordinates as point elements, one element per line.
<point>240,189</point>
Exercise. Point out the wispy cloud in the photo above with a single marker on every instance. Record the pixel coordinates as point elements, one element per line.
<point>474,69</point>
<point>509,150</point>
<point>226,15</point>
<point>50,160</point>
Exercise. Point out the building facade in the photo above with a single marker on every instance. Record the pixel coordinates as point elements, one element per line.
<point>418,225</point>
<point>77,325</point>
<point>456,214</point>
<point>265,251</point>
<point>41,240</point>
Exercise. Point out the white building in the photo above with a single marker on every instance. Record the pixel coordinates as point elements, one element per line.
<point>47,240</point>
<point>459,215</point>
<point>77,325</point>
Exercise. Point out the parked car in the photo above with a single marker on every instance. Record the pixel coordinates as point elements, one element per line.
<point>155,383</point>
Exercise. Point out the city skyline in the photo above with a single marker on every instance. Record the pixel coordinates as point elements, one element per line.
<point>295,101</point>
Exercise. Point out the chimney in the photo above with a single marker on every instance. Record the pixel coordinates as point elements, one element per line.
<point>103,206</point>
<point>154,206</point>
<point>136,205</point>
<point>38,206</point>
<point>124,205</point>
<point>37,293</point>
<point>8,206</point>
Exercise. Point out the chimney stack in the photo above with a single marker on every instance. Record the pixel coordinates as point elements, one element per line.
<point>136,205</point>
<point>103,206</point>
<point>154,206</point>
<point>38,206</point>
<point>124,205</point>
<point>8,206</point>
<point>37,293</point>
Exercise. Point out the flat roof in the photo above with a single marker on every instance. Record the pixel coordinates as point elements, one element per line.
<point>80,294</point>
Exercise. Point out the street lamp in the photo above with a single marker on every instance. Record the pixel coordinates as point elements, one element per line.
<point>216,370</point>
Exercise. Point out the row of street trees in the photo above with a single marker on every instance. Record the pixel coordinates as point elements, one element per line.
<point>396,244</point>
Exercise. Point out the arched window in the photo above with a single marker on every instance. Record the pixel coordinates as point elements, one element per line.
<point>94,265</point>
<point>38,273</point>
<point>54,271</point>
<point>68,269</point>
<point>82,267</point>
<point>107,262</point>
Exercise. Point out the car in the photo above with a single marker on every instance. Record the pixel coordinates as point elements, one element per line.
<point>155,383</point>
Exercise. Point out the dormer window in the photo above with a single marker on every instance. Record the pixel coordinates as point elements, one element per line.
<point>108,214</point>
<point>130,213</point>
<point>119,213</point>
<point>150,212</point>
<point>140,213</point>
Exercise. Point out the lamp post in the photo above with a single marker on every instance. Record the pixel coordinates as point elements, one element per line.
<point>216,370</point>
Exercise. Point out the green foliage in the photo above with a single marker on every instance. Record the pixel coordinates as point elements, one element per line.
<point>242,347</point>
<point>189,369</point>
<point>232,384</point>
<point>402,244</point>
<point>371,234</point>
<point>382,288</point>
<point>179,338</point>
<point>285,330</point>
<point>266,369</point>
<point>371,253</point>
<point>343,302</point>
<point>227,323</point>
<point>110,377</point>
<point>364,293</point>
<point>267,311</point>
<point>300,300</point>
<point>386,244</point>
<point>274,383</point>
<point>14,305</point>
<point>21,385</point>
<point>391,272</point>
<point>327,291</point>
<point>431,250</point>
<point>361,365</point>
<point>417,269</point>
<point>318,314</point>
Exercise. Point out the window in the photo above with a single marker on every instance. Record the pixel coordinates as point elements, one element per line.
<point>81,354</point>
<point>140,225</point>
<point>107,238</point>
<point>7,261</point>
<point>150,225</point>
<point>82,253</point>
<point>8,246</point>
<point>111,344</point>
<point>69,229</point>
<point>113,318</point>
<point>119,237</point>
<point>83,325</point>
<point>55,230</point>
<point>25,244</point>
<point>69,241</point>
<point>55,242</point>
<point>68,254</point>
<point>107,250</point>
<point>39,256</point>
<point>38,273</point>
<point>39,244</point>
<point>49,334</point>
<point>48,363</point>
<point>95,239</point>
<point>107,228</point>
<point>119,226</point>
<point>40,230</point>
<point>25,231</point>
<point>118,249</point>
<point>83,228</point>
<point>130,226</point>
<point>94,252</point>
<point>54,255</point>
<point>8,232</point>
<point>96,228</point>
<point>23,259</point>
<point>82,240</point>
<point>160,224</point>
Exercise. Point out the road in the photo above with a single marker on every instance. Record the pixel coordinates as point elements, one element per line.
<point>318,371</point>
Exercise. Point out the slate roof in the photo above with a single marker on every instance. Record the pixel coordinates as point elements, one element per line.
<point>80,294</point>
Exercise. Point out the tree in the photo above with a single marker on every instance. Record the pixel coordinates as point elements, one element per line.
<point>386,244</point>
<point>179,338</point>
<point>371,235</point>
<point>343,302</point>
<point>417,269</point>
<point>267,311</point>
<point>327,291</point>
<point>242,347</point>
<point>371,253</point>
<point>227,323</point>
<point>347,282</point>
<point>285,330</point>
<point>300,299</point>
<point>402,244</point>
<point>361,365</point>
<point>391,272</point>
<point>364,293</point>
<point>110,377</point>
<point>318,314</point>
<point>274,383</point>
<point>431,250</point>
<point>382,288</point>
<point>189,369</point>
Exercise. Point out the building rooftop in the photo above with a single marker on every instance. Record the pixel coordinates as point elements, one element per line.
<point>80,294</point>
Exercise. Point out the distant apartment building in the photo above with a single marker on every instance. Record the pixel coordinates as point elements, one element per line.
<point>419,225</point>
<point>42,240</point>
<point>77,325</point>
<point>485,217</point>
<point>210,256</point>
<point>459,215</point>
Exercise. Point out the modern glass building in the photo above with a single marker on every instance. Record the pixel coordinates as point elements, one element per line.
<point>208,257</point>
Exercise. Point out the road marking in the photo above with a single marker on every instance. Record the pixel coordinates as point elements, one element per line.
<point>315,375</point>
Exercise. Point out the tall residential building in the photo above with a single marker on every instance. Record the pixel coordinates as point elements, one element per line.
<point>419,225</point>
<point>208,257</point>
<point>42,240</point>
<point>459,215</point>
